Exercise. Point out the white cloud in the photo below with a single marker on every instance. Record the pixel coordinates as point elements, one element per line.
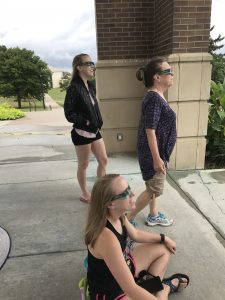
<point>217,17</point>
<point>57,30</point>
<point>218,20</point>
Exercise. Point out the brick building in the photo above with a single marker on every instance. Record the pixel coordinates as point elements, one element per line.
<point>129,32</point>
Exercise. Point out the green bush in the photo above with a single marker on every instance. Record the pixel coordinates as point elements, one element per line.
<point>8,112</point>
<point>215,149</point>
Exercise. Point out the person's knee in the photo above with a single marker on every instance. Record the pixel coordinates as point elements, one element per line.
<point>151,196</point>
<point>83,165</point>
<point>163,251</point>
<point>167,252</point>
<point>103,161</point>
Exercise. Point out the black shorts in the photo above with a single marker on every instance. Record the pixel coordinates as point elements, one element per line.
<point>79,140</point>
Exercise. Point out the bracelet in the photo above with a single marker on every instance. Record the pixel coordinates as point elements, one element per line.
<point>162,238</point>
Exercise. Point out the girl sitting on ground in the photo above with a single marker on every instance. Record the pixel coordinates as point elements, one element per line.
<point>112,267</point>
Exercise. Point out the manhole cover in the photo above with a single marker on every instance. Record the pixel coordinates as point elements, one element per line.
<point>4,246</point>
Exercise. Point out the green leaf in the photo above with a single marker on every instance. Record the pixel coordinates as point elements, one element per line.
<point>222,101</point>
<point>221,114</point>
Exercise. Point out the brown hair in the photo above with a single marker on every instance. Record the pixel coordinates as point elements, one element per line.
<point>146,73</point>
<point>97,216</point>
<point>78,59</point>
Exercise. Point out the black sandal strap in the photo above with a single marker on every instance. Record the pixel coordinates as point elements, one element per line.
<point>173,288</point>
<point>179,276</point>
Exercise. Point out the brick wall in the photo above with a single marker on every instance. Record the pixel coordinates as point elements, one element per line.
<point>124,28</point>
<point>132,29</point>
<point>163,24</point>
<point>191,26</point>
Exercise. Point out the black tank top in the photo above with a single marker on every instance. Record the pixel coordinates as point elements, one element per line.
<point>100,279</point>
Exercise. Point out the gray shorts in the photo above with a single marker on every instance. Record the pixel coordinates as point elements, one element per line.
<point>155,185</point>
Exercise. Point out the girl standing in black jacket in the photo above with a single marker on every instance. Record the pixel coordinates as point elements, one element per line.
<point>81,109</point>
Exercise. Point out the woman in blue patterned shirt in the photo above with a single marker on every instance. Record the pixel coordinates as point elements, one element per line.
<point>156,137</point>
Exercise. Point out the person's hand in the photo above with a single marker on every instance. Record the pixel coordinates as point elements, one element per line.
<point>88,123</point>
<point>170,244</point>
<point>159,166</point>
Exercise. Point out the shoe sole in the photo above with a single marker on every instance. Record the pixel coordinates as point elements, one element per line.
<point>160,224</point>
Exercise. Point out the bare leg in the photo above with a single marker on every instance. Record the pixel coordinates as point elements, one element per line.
<point>153,258</point>
<point>142,201</point>
<point>83,152</point>
<point>153,207</point>
<point>98,148</point>
<point>163,295</point>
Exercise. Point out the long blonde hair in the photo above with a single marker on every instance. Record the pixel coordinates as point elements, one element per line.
<point>97,216</point>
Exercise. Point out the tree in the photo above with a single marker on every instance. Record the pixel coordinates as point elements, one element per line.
<point>65,81</point>
<point>23,75</point>
<point>215,148</point>
<point>218,61</point>
<point>216,125</point>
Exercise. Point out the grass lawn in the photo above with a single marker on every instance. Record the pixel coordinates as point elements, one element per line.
<point>57,95</point>
<point>26,106</point>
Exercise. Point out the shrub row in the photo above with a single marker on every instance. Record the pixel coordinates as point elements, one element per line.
<point>7,112</point>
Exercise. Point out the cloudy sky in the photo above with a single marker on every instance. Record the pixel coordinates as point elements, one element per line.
<point>57,30</point>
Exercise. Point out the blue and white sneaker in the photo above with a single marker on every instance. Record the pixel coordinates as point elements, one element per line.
<point>134,223</point>
<point>160,219</point>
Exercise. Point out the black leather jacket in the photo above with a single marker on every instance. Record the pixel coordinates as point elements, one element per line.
<point>78,107</point>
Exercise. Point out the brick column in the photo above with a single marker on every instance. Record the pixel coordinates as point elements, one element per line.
<point>125,39</point>
<point>128,34</point>
<point>125,29</point>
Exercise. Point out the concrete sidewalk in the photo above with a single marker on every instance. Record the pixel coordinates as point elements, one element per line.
<point>41,212</point>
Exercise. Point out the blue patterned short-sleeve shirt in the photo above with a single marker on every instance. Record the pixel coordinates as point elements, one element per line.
<point>156,114</point>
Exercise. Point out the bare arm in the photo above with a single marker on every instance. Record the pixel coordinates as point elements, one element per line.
<point>152,142</point>
<point>142,236</point>
<point>109,249</point>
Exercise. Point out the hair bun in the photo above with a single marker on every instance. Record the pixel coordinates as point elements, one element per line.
<point>140,73</point>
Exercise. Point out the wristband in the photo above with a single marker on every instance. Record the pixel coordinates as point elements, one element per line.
<point>162,238</point>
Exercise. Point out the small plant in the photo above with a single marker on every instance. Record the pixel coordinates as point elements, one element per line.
<point>216,125</point>
<point>7,112</point>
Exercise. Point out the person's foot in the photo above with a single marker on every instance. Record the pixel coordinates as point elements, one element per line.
<point>85,198</point>
<point>160,219</point>
<point>175,283</point>
<point>134,223</point>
